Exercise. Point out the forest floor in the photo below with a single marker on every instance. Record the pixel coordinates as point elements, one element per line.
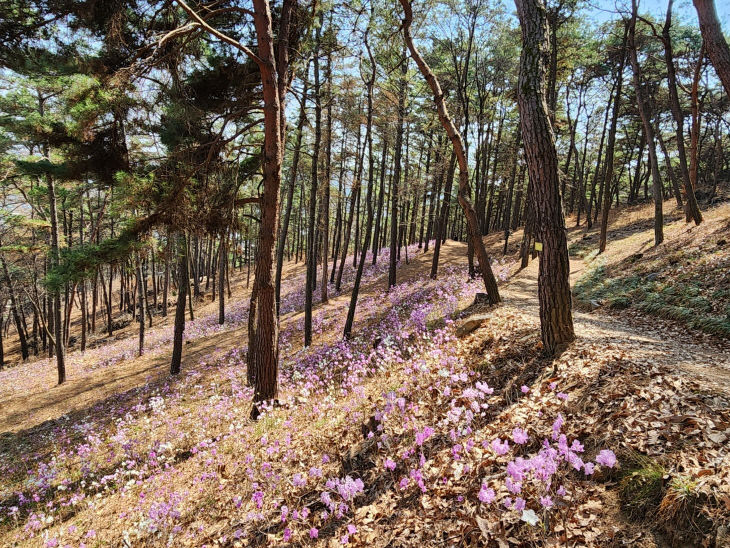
<point>413,433</point>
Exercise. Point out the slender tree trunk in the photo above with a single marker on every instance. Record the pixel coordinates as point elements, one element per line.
<point>55,260</point>
<point>94,299</point>
<point>436,185</point>
<point>695,132</point>
<point>572,128</point>
<point>402,91</point>
<point>15,312</point>
<point>369,194</point>
<point>692,209</point>
<point>290,189</point>
<point>166,284</point>
<point>670,169</point>
<point>107,295</point>
<point>597,173</point>
<point>483,167</point>
<point>183,288</point>
<point>154,280</point>
<point>140,289</point>
<point>608,173</point>
<point>644,111</point>
<point>191,272</point>
<point>326,182</point>
<point>635,184</point>
<point>356,241</point>
<point>213,268</point>
<point>488,221</point>
<point>340,202</point>
<point>2,345</point>
<point>311,233</point>
<point>354,193</point>
<point>381,198</point>
<point>440,223</point>
<point>581,175</point>
<point>508,207</point>
<point>490,282</point>
<point>222,255</point>
<point>421,233</point>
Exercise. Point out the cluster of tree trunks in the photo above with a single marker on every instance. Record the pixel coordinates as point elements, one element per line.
<point>516,180</point>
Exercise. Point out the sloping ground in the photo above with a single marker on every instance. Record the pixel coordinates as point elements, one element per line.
<point>404,436</point>
<point>95,437</point>
<point>125,327</point>
<point>30,395</point>
<point>685,279</point>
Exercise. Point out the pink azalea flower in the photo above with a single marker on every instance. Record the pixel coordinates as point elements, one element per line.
<point>607,458</point>
<point>500,447</point>
<point>519,436</point>
<point>486,495</point>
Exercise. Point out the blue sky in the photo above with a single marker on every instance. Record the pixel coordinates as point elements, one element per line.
<point>683,10</point>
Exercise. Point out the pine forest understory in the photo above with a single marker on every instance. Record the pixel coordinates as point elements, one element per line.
<point>396,273</point>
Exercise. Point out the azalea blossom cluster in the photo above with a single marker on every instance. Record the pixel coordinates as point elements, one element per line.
<point>133,443</point>
<point>536,483</point>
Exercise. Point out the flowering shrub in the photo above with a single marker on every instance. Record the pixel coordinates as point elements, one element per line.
<point>132,447</point>
<point>537,483</point>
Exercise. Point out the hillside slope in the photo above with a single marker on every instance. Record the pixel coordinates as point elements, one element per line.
<point>406,435</point>
<point>686,279</point>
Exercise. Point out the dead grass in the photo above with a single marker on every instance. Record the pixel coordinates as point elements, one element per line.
<point>632,386</point>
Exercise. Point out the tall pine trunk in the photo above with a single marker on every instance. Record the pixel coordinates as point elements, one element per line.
<point>183,288</point>
<point>608,173</point>
<point>691,207</point>
<point>311,232</point>
<point>369,195</point>
<point>222,256</point>
<point>556,319</point>
<point>402,91</point>
<point>717,48</point>
<point>140,298</point>
<point>642,102</point>
<point>474,234</point>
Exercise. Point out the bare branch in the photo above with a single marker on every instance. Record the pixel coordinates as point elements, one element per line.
<point>218,34</point>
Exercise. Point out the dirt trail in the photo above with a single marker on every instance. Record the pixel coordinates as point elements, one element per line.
<point>645,339</point>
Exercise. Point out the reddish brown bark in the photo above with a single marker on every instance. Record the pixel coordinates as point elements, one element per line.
<point>692,209</point>
<point>472,226</point>
<point>608,173</point>
<point>264,345</point>
<point>695,132</point>
<point>717,48</point>
<point>642,103</point>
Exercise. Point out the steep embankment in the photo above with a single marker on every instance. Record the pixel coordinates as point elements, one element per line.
<point>686,279</point>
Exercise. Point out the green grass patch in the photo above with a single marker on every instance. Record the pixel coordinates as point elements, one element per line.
<point>582,248</point>
<point>686,298</point>
<point>642,485</point>
<point>264,425</point>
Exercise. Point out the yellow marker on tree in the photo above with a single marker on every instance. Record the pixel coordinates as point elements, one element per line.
<point>538,246</point>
